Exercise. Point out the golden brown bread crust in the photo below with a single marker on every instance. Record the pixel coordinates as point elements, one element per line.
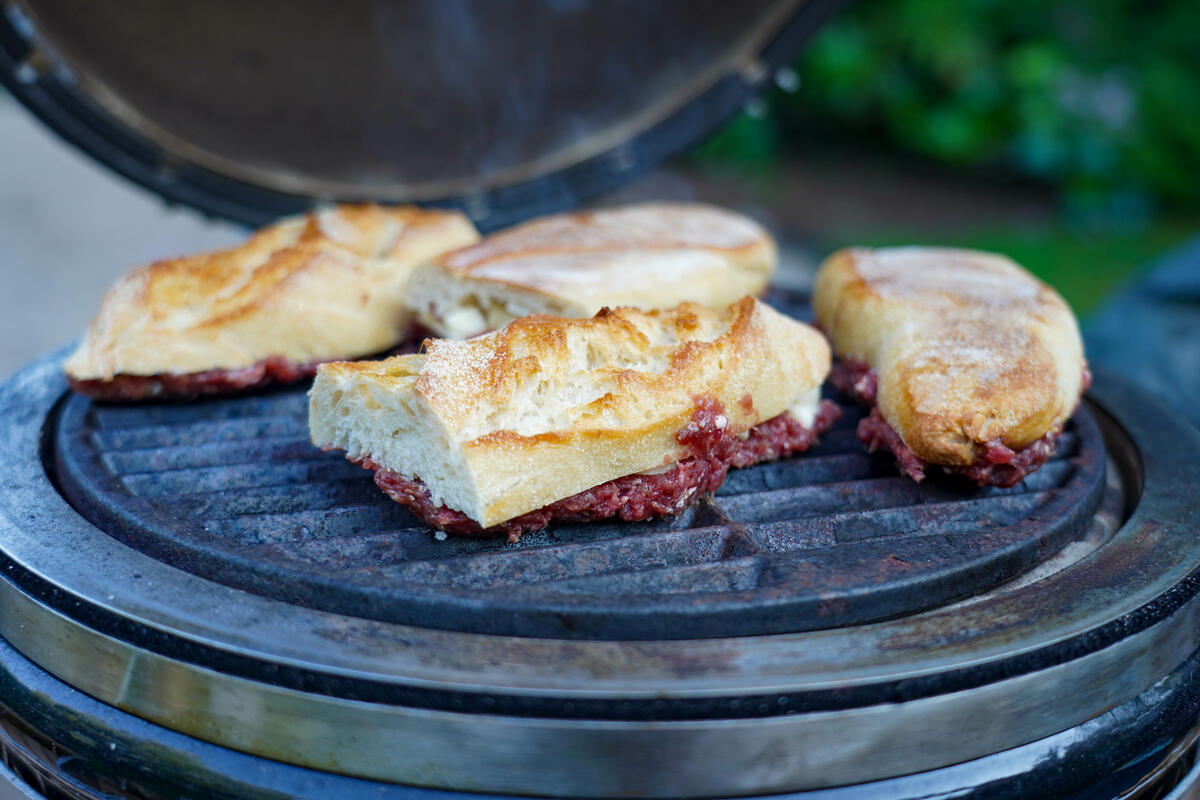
<point>325,285</point>
<point>547,407</point>
<point>968,347</point>
<point>647,256</point>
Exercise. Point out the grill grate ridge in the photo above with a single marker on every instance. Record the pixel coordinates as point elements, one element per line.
<point>508,567</point>
<point>217,454</point>
<point>158,436</point>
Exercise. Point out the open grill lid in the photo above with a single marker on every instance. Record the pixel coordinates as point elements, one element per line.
<point>253,110</point>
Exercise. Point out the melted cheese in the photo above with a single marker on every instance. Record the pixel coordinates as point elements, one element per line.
<point>804,409</point>
<point>474,315</point>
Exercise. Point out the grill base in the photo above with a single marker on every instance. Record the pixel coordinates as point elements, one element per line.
<point>66,746</point>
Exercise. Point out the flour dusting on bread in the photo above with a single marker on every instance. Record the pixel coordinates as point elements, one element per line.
<point>948,277</point>
<point>649,256</point>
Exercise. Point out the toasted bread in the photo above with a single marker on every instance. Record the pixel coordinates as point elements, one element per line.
<point>547,407</point>
<point>326,285</point>
<point>968,348</point>
<point>572,265</point>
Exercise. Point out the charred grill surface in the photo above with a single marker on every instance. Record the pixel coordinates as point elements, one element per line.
<point>233,491</point>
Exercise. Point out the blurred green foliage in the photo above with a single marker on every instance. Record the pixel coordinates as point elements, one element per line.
<point>1099,97</point>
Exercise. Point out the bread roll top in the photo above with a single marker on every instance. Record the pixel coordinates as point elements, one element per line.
<point>968,347</point>
<point>547,407</point>
<point>329,284</point>
<point>648,256</point>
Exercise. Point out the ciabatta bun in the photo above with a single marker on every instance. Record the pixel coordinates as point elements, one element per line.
<point>572,265</point>
<point>547,407</point>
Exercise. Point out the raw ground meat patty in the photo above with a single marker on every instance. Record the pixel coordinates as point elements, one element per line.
<point>712,450</point>
<point>187,386</point>
<point>996,464</point>
<point>124,388</point>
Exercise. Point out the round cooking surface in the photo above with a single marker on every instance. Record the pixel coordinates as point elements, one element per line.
<point>233,491</point>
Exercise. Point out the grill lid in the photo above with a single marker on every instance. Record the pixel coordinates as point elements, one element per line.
<point>251,110</point>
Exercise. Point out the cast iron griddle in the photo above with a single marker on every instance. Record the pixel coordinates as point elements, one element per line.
<point>233,491</point>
